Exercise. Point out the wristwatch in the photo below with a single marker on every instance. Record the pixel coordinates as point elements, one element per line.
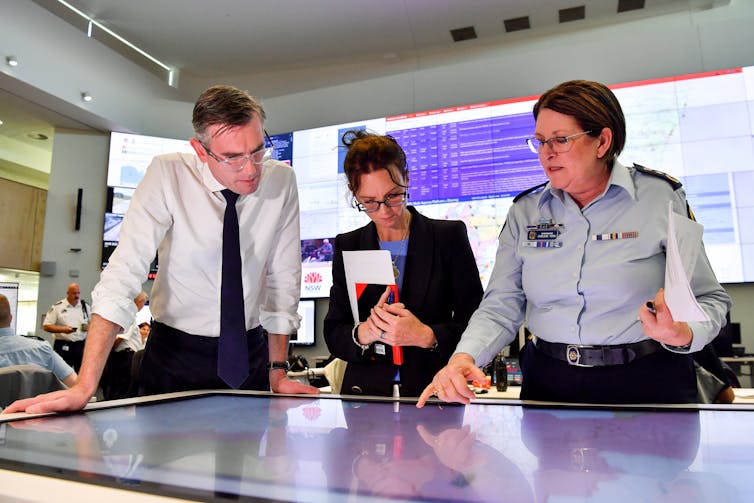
<point>280,365</point>
<point>680,349</point>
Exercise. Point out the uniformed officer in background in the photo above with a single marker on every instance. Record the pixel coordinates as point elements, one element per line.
<point>68,321</point>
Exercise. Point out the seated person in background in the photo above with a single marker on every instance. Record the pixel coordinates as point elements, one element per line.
<point>18,350</point>
<point>325,251</point>
<point>144,329</point>
<point>584,252</point>
<point>435,271</point>
<point>116,378</point>
<point>134,338</point>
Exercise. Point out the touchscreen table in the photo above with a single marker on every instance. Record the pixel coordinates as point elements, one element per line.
<point>219,446</point>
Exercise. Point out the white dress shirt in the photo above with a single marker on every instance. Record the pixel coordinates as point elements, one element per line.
<point>177,210</point>
<point>130,339</point>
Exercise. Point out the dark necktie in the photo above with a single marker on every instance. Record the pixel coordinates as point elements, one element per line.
<point>232,352</point>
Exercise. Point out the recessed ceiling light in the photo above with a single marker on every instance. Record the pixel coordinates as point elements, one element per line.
<point>1,123</point>
<point>516,24</point>
<point>627,5</point>
<point>465,33</point>
<point>572,14</point>
<point>37,136</point>
<point>86,97</point>
<point>11,60</point>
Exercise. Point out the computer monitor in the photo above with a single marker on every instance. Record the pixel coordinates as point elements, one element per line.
<point>729,335</point>
<point>305,334</point>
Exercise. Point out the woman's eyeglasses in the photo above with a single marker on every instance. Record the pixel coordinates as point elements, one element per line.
<point>558,144</point>
<point>391,201</point>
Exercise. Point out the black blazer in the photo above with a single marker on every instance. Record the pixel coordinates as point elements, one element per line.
<point>441,287</point>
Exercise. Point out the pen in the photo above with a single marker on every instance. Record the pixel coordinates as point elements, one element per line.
<point>651,307</point>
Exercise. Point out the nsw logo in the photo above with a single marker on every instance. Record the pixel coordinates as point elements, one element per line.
<point>312,282</point>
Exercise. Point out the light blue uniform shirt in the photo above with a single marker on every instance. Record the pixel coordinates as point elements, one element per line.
<point>18,350</point>
<point>587,291</point>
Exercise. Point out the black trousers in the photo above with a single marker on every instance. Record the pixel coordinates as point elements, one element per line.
<point>116,377</point>
<point>177,361</point>
<point>661,377</point>
<point>71,352</point>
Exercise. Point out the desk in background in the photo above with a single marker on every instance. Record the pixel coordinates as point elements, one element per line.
<point>737,363</point>
<point>512,393</point>
<point>306,376</point>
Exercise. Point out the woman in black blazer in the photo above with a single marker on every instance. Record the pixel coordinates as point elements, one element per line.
<point>436,273</point>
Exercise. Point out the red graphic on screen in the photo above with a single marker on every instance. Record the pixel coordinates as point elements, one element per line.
<point>313,277</point>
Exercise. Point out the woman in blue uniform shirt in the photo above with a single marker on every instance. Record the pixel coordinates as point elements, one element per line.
<point>584,253</point>
<point>436,275</point>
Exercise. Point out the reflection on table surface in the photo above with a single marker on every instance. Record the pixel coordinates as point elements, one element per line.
<point>328,449</point>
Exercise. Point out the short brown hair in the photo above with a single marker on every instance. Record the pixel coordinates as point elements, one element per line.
<point>224,105</point>
<point>5,314</point>
<point>368,152</point>
<point>593,105</point>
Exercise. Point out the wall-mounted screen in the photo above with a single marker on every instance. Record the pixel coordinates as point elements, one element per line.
<point>129,158</point>
<point>468,162</point>
<point>305,334</point>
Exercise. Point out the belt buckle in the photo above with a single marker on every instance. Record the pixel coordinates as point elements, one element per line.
<point>573,356</point>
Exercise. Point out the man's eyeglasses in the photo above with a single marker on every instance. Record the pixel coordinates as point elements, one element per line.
<point>237,162</point>
<point>558,144</point>
<point>391,201</point>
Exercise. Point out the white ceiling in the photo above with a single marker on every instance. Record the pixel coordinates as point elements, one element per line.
<point>272,43</point>
<point>210,40</point>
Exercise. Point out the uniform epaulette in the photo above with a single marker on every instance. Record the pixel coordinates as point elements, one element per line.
<point>58,302</point>
<point>674,182</point>
<point>529,191</point>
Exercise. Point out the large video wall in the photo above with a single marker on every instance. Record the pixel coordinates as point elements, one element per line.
<point>468,162</point>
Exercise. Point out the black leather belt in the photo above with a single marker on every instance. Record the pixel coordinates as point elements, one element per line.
<point>597,356</point>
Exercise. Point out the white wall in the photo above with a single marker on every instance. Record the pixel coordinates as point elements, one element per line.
<point>79,160</point>
<point>674,44</point>
<point>57,62</point>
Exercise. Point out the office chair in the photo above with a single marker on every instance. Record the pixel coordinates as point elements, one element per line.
<point>26,381</point>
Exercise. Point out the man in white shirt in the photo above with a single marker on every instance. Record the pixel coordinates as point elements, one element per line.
<point>177,210</point>
<point>68,321</point>
<point>131,339</point>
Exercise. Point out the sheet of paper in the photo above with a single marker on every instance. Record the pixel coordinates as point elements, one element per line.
<point>366,266</point>
<point>683,248</point>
